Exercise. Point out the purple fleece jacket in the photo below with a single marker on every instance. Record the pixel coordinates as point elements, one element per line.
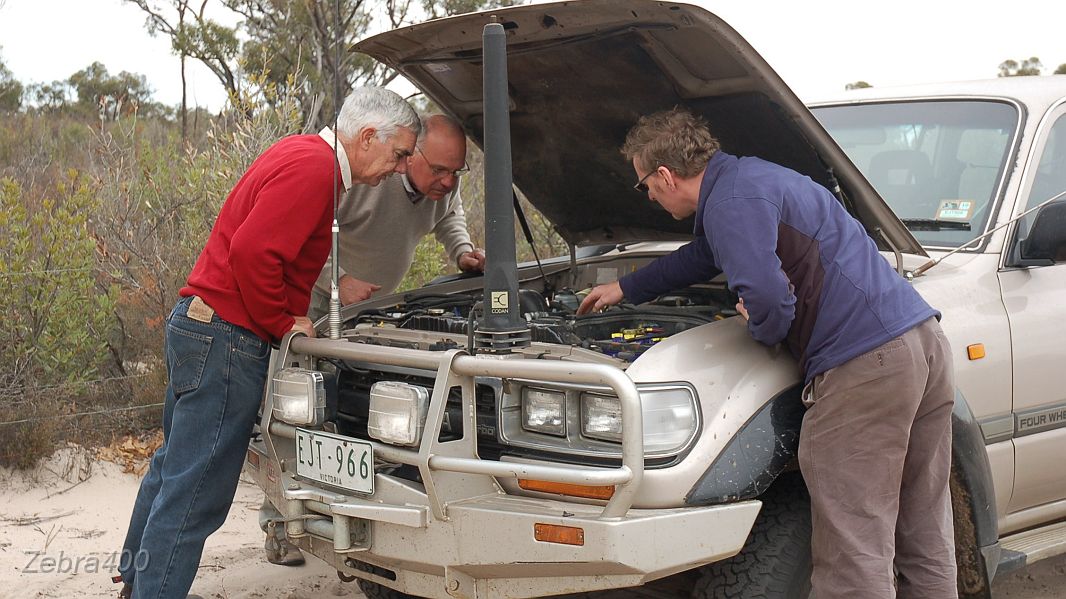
<point>808,272</point>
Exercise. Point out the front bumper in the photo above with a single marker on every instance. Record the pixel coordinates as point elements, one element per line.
<point>486,547</point>
<point>457,533</point>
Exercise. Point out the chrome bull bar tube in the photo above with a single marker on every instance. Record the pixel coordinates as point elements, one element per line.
<point>626,478</point>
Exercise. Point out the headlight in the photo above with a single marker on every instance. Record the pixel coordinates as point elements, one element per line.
<point>601,417</point>
<point>669,418</point>
<point>543,411</point>
<point>398,412</point>
<point>299,396</point>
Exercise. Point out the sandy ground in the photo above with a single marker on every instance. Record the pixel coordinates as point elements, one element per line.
<point>76,508</point>
<point>62,525</point>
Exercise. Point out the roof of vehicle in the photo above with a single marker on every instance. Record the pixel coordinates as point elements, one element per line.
<point>582,73</point>
<point>1036,92</point>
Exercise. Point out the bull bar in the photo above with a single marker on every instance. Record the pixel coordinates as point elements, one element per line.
<point>459,489</point>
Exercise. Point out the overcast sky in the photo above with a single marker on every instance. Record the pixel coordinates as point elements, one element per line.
<point>817,46</point>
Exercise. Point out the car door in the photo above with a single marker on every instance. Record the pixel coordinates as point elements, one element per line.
<point>1034,299</point>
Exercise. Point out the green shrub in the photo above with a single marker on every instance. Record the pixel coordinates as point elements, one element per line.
<point>159,200</point>
<point>429,262</point>
<point>55,310</point>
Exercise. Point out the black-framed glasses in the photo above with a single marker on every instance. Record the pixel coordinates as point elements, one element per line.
<point>641,186</point>
<point>440,172</point>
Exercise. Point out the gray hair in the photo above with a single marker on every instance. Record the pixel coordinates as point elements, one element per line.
<point>378,108</point>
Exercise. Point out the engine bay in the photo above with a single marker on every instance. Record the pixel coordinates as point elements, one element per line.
<point>622,332</point>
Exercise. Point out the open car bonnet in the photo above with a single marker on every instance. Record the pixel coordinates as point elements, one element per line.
<point>582,73</point>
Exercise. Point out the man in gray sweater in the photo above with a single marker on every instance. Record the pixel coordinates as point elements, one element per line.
<point>379,230</point>
<point>380,227</point>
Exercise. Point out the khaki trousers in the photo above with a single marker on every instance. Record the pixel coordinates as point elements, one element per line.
<point>875,450</point>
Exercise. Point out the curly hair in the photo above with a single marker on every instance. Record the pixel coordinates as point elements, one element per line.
<point>676,139</point>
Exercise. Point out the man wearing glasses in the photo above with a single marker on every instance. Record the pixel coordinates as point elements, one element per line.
<point>877,366</point>
<point>380,227</point>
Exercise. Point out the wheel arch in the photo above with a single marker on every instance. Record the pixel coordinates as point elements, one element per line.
<point>766,447</point>
<point>973,502</point>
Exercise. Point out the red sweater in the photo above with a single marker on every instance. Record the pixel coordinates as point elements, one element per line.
<point>271,238</point>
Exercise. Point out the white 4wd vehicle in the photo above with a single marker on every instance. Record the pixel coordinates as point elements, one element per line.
<point>432,451</point>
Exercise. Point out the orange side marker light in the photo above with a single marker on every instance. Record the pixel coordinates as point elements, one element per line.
<point>553,533</point>
<point>586,491</point>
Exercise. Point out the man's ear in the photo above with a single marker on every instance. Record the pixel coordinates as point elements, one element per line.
<point>668,177</point>
<point>364,137</point>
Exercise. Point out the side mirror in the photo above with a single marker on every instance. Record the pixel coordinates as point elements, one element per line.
<point>1046,243</point>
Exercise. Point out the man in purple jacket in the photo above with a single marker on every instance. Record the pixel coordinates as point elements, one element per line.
<point>875,445</point>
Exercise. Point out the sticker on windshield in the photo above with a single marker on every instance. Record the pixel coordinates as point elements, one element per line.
<point>955,210</point>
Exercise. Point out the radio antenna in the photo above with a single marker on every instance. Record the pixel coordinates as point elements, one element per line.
<point>334,286</point>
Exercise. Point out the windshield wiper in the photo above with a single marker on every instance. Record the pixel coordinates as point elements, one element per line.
<point>935,224</point>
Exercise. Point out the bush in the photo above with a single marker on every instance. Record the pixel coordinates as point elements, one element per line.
<point>101,224</point>
<point>429,262</point>
<point>159,200</point>
<point>55,310</point>
<point>95,257</point>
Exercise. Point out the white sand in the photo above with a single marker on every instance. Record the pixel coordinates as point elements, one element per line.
<point>62,527</point>
<point>74,507</point>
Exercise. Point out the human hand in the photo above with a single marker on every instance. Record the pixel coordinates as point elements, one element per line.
<point>303,325</point>
<point>353,290</point>
<point>741,309</point>
<point>472,261</point>
<point>600,297</point>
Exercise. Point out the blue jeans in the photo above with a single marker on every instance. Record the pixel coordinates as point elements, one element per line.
<point>216,374</point>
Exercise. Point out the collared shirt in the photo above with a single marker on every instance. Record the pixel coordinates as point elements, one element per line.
<point>342,157</point>
<point>270,239</point>
<point>413,194</point>
<point>380,228</point>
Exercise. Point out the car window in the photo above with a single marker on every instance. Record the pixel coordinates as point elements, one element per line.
<point>1051,173</point>
<point>1050,176</point>
<point>938,164</point>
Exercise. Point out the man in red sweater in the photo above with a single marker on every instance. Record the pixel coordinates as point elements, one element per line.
<point>250,286</point>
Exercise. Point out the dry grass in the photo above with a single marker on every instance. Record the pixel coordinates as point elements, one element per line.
<point>132,452</point>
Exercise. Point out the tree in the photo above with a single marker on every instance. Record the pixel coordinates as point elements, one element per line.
<point>1028,67</point>
<point>857,85</point>
<point>312,38</point>
<point>283,38</point>
<point>10,90</point>
<point>1061,70</point>
<point>49,97</point>
<point>157,22</point>
<point>111,95</point>
<point>441,8</point>
<point>214,45</point>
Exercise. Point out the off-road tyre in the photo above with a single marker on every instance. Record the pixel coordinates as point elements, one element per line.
<point>775,563</point>
<point>374,590</point>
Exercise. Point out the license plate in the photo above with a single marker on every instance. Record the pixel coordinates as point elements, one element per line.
<point>335,460</point>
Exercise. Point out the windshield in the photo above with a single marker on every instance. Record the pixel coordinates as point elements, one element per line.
<point>938,164</point>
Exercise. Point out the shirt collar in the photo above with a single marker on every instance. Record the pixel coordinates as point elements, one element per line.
<point>412,194</point>
<point>342,157</point>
